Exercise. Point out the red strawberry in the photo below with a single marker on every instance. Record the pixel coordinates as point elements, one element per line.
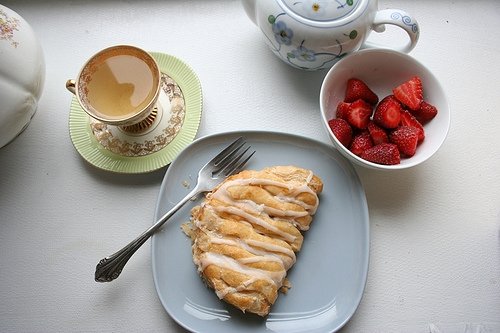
<point>360,143</point>
<point>408,120</point>
<point>425,113</point>
<point>342,108</point>
<point>378,134</point>
<point>384,153</point>
<point>410,93</point>
<point>342,130</point>
<point>388,112</point>
<point>357,89</point>
<point>358,114</point>
<point>406,138</point>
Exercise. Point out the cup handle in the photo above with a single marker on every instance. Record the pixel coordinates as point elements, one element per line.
<point>71,86</point>
<point>400,19</point>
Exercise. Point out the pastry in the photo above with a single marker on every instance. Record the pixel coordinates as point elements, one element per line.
<point>247,230</point>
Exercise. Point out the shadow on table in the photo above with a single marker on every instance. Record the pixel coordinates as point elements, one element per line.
<point>391,193</point>
<point>150,178</point>
<point>306,84</point>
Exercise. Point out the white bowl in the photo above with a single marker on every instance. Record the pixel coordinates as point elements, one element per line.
<point>382,70</point>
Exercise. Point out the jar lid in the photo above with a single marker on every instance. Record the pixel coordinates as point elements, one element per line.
<point>320,10</point>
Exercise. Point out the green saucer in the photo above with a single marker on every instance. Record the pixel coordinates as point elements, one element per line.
<point>103,147</point>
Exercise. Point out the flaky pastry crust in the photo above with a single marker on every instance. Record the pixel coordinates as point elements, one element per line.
<point>247,230</point>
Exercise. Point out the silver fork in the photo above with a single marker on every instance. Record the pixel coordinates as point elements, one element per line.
<point>229,161</point>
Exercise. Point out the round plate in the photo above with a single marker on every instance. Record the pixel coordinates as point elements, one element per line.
<point>95,150</point>
<point>335,249</point>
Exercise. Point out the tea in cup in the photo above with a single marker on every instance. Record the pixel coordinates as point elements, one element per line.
<point>119,86</point>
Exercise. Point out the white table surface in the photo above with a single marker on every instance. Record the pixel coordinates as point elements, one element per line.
<point>435,229</point>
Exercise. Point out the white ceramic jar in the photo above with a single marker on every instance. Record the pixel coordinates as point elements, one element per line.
<point>22,74</point>
<point>315,34</point>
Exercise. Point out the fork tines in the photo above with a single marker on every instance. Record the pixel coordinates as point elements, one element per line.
<point>233,158</point>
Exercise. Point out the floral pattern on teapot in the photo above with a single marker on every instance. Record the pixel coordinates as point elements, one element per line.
<point>7,27</point>
<point>321,10</point>
<point>300,55</point>
<point>315,34</point>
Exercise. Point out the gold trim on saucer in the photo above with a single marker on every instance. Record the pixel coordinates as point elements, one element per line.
<point>178,126</point>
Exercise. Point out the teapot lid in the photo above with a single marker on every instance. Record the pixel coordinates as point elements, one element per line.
<point>320,10</point>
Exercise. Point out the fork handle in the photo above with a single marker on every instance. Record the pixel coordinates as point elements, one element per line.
<point>109,268</point>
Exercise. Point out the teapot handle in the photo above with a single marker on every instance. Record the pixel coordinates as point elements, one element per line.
<point>400,19</point>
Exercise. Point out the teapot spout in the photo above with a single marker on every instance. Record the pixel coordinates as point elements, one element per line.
<point>249,6</point>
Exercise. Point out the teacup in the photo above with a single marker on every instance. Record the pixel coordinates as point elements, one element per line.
<point>119,86</point>
<point>313,34</point>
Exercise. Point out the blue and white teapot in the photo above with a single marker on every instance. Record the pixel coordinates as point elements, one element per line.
<point>314,34</point>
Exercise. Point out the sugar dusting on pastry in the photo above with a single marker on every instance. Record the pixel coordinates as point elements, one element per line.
<point>247,230</point>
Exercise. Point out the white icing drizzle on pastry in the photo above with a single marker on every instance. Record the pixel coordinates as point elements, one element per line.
<point>272,248</point>
<point>223,195</point>
<point>251,213</point>
<point>262,251</point>
<point>267,254</point>
<point>229,290</point>
<point>211,258</point>
<point>256,220</point>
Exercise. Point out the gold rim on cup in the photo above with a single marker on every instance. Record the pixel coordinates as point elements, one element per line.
<point>141,119</point>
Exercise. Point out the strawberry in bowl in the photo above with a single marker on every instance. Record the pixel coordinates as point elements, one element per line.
<point>396,109</point>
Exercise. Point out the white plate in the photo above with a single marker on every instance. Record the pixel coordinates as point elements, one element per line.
<point>330,274</point>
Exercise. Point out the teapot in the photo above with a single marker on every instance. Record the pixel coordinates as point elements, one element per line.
<point>22,74</point>
<point>315,34</point>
